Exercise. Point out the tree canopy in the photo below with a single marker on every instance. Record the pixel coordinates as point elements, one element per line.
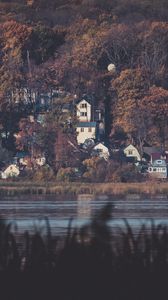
<point>48,44</point>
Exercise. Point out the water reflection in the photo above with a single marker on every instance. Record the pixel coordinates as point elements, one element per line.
<point>84,206</point>
<point>29,213</point>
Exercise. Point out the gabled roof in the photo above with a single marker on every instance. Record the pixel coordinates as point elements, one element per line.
<point>130,146</point>
<point>21,154</point>
<point>86,124</point>
<point>86,98</point>
<point>101,145</point>
<point>9,166</point>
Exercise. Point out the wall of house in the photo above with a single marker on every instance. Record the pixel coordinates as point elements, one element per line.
<point>103,150</point>
<point>158,172</point>
<point>40,161</point>
<point>158,169</point>
<point>84,111</point>
<point>131,151</point>
<point>10,172</point>
<point>84,133</point>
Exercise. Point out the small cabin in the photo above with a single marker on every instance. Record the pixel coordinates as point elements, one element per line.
<point>10,171</point>
<point>40,161</point>
<point>101,150</point>
<point>131,152</point>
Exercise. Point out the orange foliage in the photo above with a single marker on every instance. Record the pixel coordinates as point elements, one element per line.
<point>15,34</point>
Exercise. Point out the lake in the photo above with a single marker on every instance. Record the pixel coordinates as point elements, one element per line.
<point>29,213</point>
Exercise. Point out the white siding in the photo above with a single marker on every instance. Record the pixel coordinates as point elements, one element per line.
<point>40,161</point>
<point>131,151</point>
<point>84,133</point>
<point>11,171</point>
<point>104,152</point>
<point>84,111</point>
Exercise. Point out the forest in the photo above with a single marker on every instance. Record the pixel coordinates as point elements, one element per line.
<point>56,44</point>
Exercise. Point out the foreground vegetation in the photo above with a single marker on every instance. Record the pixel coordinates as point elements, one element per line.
<point>91,263</point>
<point>150,188</point>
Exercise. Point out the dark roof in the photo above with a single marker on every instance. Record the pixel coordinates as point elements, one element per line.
<point>146,144</point>
<point>156,155</point>
<point>68,106</point>
<point>21,154</point>
<point>151,150</point>
<point>85,97</point>
<point>86,124</point>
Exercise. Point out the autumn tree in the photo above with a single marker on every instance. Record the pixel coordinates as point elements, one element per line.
<point>10,116</point>
<point>153,56</point>
<point>58,138</point>
<point>5,155</point>
<point>95,169</point>
<point>131,86</point>
<point>14,36</point>
<point>155,103</point>
<point>26,136</point>
<point>43,42</point>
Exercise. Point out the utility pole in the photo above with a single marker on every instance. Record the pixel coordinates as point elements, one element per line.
<point>30,76</point>
<point>29,63</point>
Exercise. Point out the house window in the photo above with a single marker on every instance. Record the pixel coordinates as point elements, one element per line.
<point>89,129</point>
<point>150,169</point>
<point>83,114</point>
<point>82,129</point>
<point>130,152</point>
<point>154,170</point>
<point>83,105</point>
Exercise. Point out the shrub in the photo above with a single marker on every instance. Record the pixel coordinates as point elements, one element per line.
<point>44,173</point>
<point>123,173</point>
<point>130,173</point>
<point>65,174</point>
<point>112,172</point>
<point>95,169</point>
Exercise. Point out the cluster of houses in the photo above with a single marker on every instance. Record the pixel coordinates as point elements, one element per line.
<point>153,161</point>
<point>90,130</point>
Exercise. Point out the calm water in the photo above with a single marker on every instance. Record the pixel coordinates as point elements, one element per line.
<point>28,213</point>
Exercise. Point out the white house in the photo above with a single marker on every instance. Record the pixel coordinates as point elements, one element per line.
<point>132,152</point>
<point>40,161</point>
<point>10,171</point>
<point>158,169</point>
<point>101,150</point>
<point>85,130</point>
<point>83,111</point>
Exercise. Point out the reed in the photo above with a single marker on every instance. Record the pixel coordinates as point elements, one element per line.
<point>90,263</point>
<point>143,189</point>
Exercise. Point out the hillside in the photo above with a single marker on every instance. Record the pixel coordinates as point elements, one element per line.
<point>51,44</point>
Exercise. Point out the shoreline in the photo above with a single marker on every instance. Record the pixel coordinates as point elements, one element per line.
<point>62,188</point>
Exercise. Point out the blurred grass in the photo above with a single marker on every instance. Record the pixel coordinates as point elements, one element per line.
<point>28,188</point>
<point>91,264</point>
